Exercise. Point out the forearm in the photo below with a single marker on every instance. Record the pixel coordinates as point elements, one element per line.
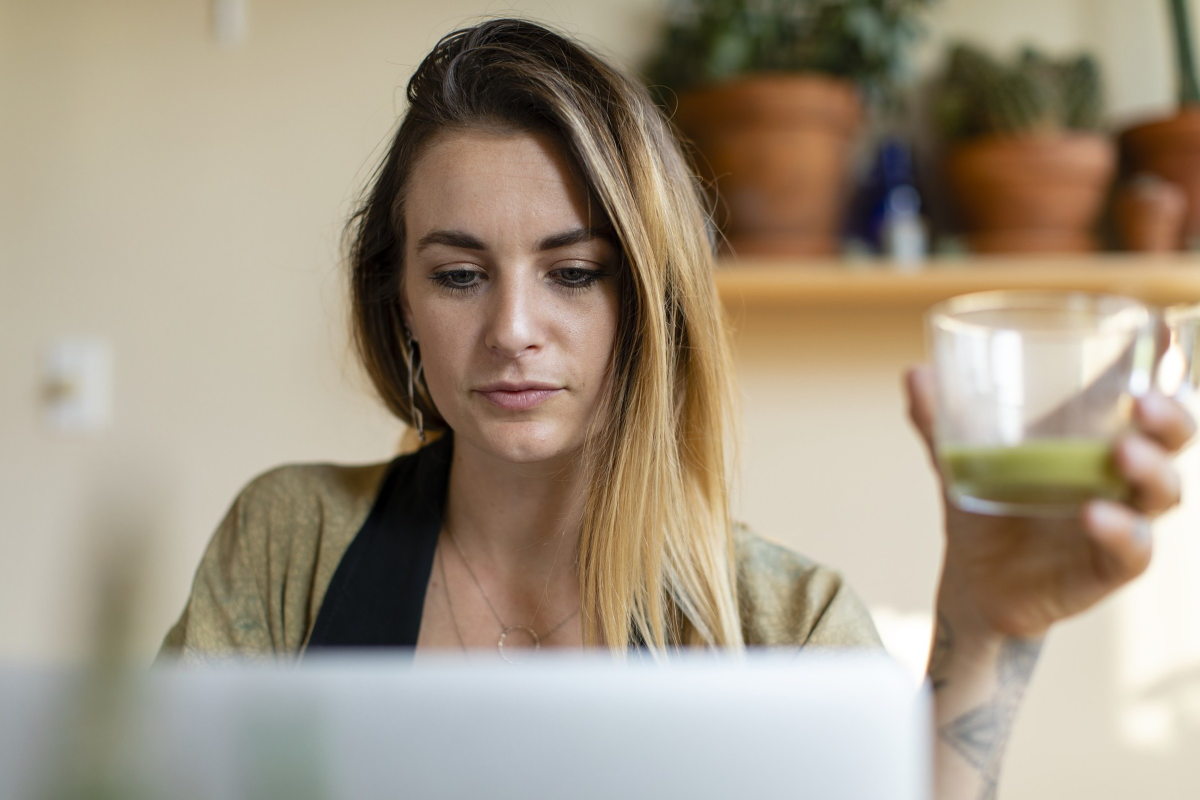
<point>978,683</point>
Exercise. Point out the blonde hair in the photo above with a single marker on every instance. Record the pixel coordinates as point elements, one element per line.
<point>655,556</point>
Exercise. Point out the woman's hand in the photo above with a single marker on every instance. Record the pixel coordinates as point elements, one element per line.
<point>1016,576</point>
<point>1006,580</point>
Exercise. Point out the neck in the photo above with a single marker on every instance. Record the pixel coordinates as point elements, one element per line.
<point>522,521</point>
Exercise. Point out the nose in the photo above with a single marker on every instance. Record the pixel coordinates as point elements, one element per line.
<point>513,328</point>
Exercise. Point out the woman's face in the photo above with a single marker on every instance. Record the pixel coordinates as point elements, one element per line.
<point>510,291</point>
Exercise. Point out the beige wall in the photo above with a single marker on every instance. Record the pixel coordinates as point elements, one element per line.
<point>185,201</point>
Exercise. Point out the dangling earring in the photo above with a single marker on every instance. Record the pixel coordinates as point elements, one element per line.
<point>414,375</point>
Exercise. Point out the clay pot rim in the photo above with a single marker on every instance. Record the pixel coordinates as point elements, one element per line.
<point>767,77</point>
<point>1089,145</point>
<point>1056,138</point>
<point>1150,125</point>
<point>836,102</point>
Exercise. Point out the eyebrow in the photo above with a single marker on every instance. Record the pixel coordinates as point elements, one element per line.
<point>459,239</point>
<point>576,236</point>
<point>465,241</point>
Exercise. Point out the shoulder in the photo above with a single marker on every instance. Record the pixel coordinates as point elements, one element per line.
<point>305,495</point>
<point>264,574</point>
<point>788,599</point>
<point>303,510</point>
<point>298,520</point>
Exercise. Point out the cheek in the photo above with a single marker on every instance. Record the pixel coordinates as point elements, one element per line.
<point>446,345</point>
<point>595,338</point>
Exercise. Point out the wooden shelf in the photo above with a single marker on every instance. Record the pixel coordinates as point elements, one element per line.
<point>782,283</point>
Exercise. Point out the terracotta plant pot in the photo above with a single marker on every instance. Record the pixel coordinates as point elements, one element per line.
<point>1032,194</point>
<point>1149,213</point>
<point>1170,148</point>
<point>778,149</point>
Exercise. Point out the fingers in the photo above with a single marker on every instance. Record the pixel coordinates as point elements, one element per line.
<point>1123,540</point>
<point>918,384</point>
<point>1149,471</point>
<point>1164,420</point>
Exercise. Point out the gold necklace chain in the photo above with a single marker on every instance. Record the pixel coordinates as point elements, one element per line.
<point>505,628</point>
<point>441,557</point>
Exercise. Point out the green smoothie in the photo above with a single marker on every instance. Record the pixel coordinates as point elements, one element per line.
<point>1035,473</point>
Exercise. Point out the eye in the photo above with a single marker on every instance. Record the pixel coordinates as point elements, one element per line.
<point>458,281</point>
<point>573,277</point>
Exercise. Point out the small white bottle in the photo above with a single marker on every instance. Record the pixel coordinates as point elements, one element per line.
<point>905,239</point>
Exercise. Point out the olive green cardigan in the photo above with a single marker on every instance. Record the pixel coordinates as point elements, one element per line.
<point>264,575</point>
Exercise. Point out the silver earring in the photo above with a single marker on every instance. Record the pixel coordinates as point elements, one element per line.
<point>414,375</point>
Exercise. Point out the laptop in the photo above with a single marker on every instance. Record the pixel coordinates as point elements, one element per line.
<point>368,727</point>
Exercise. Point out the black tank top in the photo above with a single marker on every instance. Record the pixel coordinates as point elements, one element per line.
<point>377,594</point>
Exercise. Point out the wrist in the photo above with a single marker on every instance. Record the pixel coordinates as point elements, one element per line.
<point>978,688</point>
<point>965,645</point>
<point>985,604</point>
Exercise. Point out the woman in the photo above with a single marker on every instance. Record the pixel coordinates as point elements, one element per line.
<point>532,289</point>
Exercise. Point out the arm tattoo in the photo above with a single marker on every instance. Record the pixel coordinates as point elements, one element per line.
<point>980,734</point>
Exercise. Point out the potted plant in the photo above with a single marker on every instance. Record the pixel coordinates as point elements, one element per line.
<point>771,94</point>
<point>1027,162</point>
<point>1170,147</point>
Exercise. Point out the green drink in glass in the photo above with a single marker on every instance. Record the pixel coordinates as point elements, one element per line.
<point>1038,472</point>
<point>1033,389</point>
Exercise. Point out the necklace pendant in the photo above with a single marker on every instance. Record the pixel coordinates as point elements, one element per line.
<point>524,629</point>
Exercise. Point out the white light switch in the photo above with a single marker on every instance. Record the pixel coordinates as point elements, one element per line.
<point>229,22</point>
<point>78,385</point>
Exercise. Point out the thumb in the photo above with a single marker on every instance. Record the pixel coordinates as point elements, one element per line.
<point>918,387</point>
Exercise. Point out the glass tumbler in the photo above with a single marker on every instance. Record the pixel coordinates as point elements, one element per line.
<point>1032,389</point>
<point>1177,373</point>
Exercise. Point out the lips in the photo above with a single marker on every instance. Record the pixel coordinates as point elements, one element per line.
<point>518,396</point>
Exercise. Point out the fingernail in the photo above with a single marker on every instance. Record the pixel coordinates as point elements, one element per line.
<point>1154,405</point>
<point>1108,517</point>
<point>1137,454</point>
<point>1142,531</point>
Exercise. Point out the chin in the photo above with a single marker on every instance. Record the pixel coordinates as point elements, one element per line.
<point>526,442</point>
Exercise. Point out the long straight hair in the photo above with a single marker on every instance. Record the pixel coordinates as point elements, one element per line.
<point>655,559</point>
